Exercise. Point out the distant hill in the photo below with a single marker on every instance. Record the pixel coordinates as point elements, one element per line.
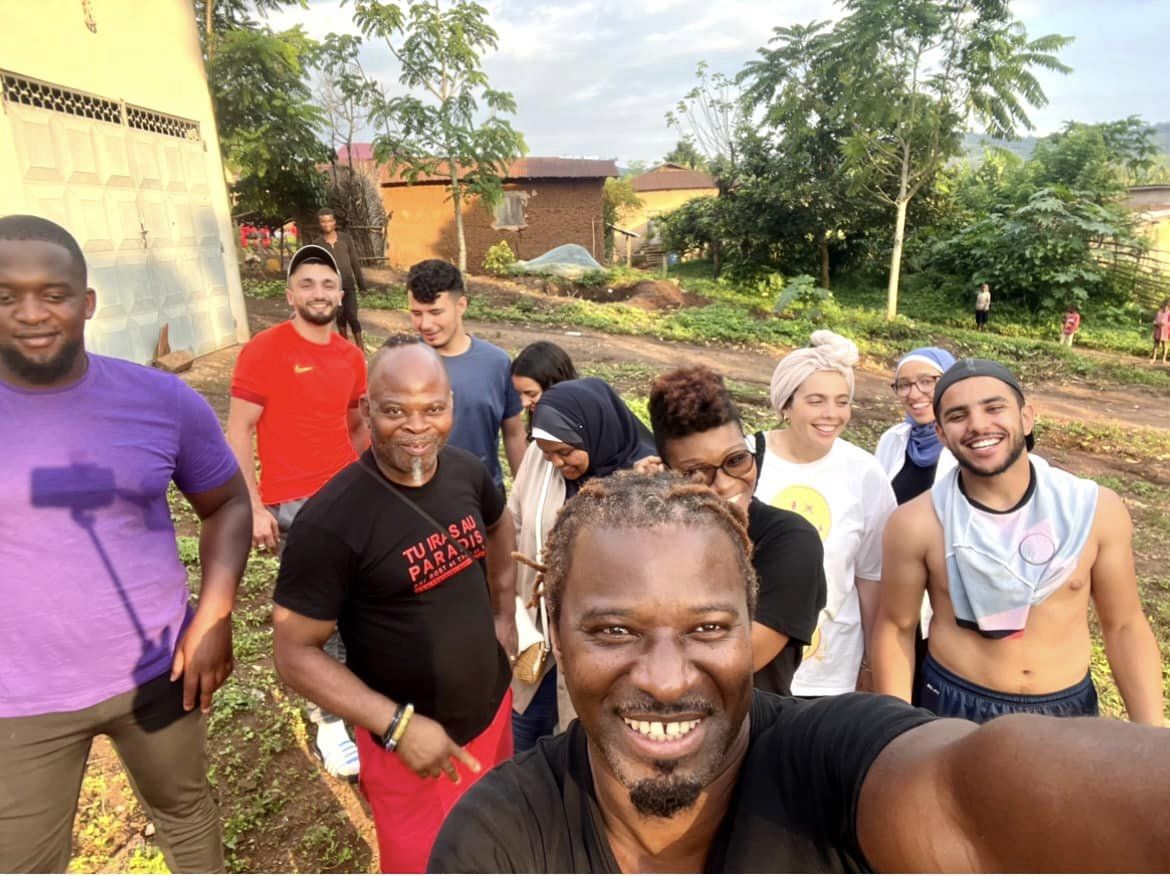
<point>974,144</point>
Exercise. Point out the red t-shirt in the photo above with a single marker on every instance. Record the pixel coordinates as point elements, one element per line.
<point>1072,322</point>
<point>306,390</point>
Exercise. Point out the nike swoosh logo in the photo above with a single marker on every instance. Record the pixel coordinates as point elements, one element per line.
<point>302,369</point>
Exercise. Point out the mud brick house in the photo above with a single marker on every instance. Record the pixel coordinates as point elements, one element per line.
<point>547,202</point>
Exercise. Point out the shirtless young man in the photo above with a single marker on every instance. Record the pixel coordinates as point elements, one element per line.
<point>1010,552</point>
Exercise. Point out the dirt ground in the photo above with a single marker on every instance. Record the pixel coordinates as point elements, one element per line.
<point>331,812</point>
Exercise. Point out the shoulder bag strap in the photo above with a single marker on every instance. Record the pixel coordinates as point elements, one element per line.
<point>410,503</point>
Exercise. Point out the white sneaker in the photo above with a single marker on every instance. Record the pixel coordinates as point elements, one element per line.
<point>337,751</point>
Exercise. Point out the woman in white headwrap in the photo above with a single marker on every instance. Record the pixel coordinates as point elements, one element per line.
<point>838,487</point>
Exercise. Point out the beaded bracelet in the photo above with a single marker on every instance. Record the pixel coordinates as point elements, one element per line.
<point>396,736</point>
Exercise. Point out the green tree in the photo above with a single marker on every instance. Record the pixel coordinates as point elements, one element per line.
<point>436,129</point>
<point>268,123</point>
<point>616,195</point>
<point>710,116</point>
<point>798,88</point>
<point>918,72</point>
<point>685,154</point>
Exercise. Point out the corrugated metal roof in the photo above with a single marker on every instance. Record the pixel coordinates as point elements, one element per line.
<point>532,167</point>
<point>361,152</point>
<point>668,177</point>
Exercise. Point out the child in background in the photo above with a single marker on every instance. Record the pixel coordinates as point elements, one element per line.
<point>1161,331</point>
<point>1071,325</point>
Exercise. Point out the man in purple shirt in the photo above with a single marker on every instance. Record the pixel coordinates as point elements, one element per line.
<point>96,632</point>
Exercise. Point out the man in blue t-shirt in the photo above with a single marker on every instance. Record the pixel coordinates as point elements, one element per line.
<point>485,400</point>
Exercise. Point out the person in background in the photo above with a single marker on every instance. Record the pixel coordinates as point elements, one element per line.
<point>582,430</point>
<point>537,367</point>
<point>699,433</point>
<point>982,307</point>
<point>486,404</point>
<point>1070,325</point>
<point>911,452</point>
<point>842,491</point>
<point>294,404</point>
<point>349,267</point>
<point>1162,332</point>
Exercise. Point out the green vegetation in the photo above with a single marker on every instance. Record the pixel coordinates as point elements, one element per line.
<point>498,259</point>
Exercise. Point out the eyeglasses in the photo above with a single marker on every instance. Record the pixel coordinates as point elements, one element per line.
<point>737,464</point>
<point>925,385</point>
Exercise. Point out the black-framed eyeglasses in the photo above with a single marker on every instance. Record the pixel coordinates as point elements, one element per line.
<point>925,384</point>
<point>737,464</point>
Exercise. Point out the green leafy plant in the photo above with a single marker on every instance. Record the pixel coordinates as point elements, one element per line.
<point>499,259</point>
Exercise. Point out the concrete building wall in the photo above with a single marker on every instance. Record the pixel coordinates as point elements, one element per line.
<point>557,211</point>
<point>116,159</point>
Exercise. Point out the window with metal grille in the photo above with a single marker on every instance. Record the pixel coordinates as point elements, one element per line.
<point>161,123</point>
<point>510,211</point>
<point>42,95</point>
<point>46,96</point>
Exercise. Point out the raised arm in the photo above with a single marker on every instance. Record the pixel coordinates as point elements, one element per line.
<point>1022,793</point>
<point>1129,642</point>
<point>901,591</point>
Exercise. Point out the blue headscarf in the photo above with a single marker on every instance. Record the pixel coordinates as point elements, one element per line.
<point>924,447</point>
<point>588,414</point>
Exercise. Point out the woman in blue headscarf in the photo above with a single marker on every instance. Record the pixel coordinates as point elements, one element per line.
<point>581,429</point>
<point>911,452</point>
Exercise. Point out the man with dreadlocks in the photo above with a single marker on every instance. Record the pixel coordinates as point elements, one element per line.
<point>676,765</point>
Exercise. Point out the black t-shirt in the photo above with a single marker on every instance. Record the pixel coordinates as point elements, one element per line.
<point>913,480</point>
<point>794,808</point>
<point>349,264</point>
<point>789,561</point>
<point>414,613</point>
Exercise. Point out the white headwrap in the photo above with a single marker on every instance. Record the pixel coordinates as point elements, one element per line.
<point>828,352</point>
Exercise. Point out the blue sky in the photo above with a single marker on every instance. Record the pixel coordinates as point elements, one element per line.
<point>596,78</point>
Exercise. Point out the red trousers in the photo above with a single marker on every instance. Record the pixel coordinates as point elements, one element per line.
<point>408,811</point>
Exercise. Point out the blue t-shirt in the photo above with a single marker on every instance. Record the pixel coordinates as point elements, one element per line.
<point>484,397</point>
<point>93,592</point>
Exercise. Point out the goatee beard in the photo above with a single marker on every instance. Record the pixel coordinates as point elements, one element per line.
<point>317,318</point>
<point>1016,452</point>
<point>42,373</point>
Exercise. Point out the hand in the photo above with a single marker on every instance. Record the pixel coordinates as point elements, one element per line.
<point>865,679</point>
<point>265,529</point>
<point>506,634</point>
<point>649,465</point>
<point>429,752</point>
<point>203,658</point>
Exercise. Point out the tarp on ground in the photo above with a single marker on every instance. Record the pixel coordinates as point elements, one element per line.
<point>569,261</point>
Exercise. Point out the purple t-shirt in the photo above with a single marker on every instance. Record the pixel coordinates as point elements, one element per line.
<point>92,593</point>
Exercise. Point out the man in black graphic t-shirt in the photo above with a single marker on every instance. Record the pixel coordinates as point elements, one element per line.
<point>676,765</point>
<point>408,551</point>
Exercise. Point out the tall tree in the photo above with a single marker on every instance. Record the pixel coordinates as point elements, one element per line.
<point>684,153</point>
<point>797,86</point>
<point>710,116</point>
<point>267,121</point>
<point>264,111</point>
<point>919,72</point>
<point>440,128</point>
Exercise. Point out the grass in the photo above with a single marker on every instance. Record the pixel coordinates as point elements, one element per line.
<point>739,315</point>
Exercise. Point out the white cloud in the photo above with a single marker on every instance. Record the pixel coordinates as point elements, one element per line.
<point>597,77</point>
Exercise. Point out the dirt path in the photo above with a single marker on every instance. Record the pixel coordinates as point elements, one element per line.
<point>1057,401</point>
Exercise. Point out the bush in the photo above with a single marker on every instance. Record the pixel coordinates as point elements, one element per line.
<point>499,259</point>
<point>802,298</point>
